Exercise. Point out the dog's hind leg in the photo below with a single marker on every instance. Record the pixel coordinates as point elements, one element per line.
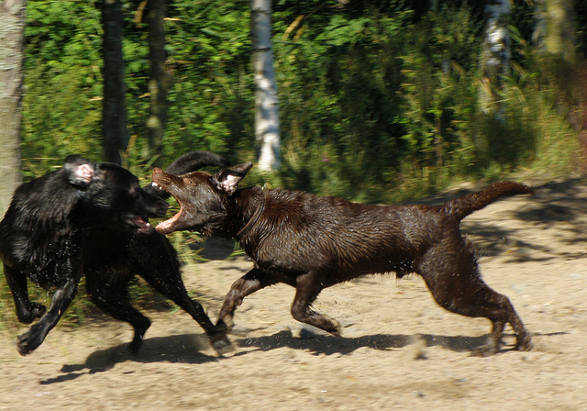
<point>161,270</point>
<point>455,284</point>
<point>30,340</point>
<point>171,286</point>
<point>111,296</point>
<point>499,310</point>
<point>26,311</point>
<point>252,281</point>
<point>307,289</point>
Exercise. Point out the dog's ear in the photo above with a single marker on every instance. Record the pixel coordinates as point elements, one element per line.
<point>78,170</point>
<point>227,180</point>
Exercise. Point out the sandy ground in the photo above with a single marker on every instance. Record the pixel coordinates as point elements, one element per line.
<point>399,350</point>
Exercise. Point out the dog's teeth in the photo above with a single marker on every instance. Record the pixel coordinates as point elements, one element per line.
<point>155,185</point>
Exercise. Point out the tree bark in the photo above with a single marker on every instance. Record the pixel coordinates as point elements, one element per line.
<point>12,15</point>
<point>160,80</point>
<point>495,56</point>
<point>113,106</point>
<point>266,103</point>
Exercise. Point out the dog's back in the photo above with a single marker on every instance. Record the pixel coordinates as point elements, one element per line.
<point>335,235</point>
<point>313,242</point>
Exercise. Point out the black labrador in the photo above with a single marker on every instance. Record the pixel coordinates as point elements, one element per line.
<point>312,242</point>
<point>91,220</point>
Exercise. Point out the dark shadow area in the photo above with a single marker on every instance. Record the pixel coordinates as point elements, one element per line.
<point>182,348</point>
<point>561,204</point>
<point>233,267</point>
<point>214,248</point>
<point>328,345</point>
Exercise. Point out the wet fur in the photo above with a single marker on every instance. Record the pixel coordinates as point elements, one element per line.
<point>80,221</point>
<point>312,242</point>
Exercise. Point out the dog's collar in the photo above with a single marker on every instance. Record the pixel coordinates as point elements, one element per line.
<point>255,217</point>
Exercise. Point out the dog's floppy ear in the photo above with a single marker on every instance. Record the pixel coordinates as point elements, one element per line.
<point>78,170</point>
<point>227,180</point>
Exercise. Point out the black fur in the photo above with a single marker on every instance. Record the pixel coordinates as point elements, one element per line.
<point>89,219</point>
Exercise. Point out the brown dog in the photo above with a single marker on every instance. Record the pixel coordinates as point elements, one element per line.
<point>312,242</point>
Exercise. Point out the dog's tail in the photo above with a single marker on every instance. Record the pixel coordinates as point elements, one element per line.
<point>461,207</point>
<point>194,160</point>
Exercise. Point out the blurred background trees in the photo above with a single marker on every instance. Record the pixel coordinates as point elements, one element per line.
<point>378,100</point>
<point>12,18</point>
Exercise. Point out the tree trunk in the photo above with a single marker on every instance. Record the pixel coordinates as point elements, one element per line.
<point>160,80</point>
<point>113,107</point>
<point>12,14</point>
<point>555,29</point>
<point>266,104</point>
<point>495,56</point>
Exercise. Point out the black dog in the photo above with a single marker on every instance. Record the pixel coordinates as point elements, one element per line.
<point>312,242</point>
<point>92,219</point>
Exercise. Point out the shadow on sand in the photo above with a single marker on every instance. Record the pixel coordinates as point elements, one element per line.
<point>184,348</point>
<point>560,204</point>
<point>328,345</point>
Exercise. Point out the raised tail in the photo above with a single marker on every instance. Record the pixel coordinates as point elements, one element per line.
<point>194,160</point>
<point>461,207</point>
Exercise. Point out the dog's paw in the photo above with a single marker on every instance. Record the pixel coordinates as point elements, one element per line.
<point>29,341</point>
<point>335,328</point>
<point>32,312</point>
<point>221,344</point>
<point>134,346</point>
<point>137,342</point>
<point>225,324</point>
<point>524,344</point>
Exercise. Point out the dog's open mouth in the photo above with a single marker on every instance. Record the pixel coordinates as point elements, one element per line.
<point>163,182</point>
<point>168,226</point>
<point>140,223</point>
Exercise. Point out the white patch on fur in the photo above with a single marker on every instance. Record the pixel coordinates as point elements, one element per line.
<point>84,172</point>
<point>229,183</point>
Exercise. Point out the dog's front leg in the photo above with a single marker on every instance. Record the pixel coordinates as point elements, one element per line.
<point>308,286</point>
<point>26,311</point>
<point>30,340</point>
<point>252,281</point>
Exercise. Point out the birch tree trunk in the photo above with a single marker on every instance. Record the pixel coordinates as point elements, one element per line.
<point>12,14</point>
<point>113,104</point>
<point>266,104</point>
<point>495,56</point>
<point>160,80</point>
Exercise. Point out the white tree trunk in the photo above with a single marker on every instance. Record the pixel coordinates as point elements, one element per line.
<point>495,57</point>
<point>12,13</point>
<point>266,104</point>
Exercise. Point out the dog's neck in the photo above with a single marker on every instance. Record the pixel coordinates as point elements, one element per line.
<point>249,206</point>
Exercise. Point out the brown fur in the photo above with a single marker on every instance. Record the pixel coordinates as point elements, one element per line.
<point>312,242</point>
